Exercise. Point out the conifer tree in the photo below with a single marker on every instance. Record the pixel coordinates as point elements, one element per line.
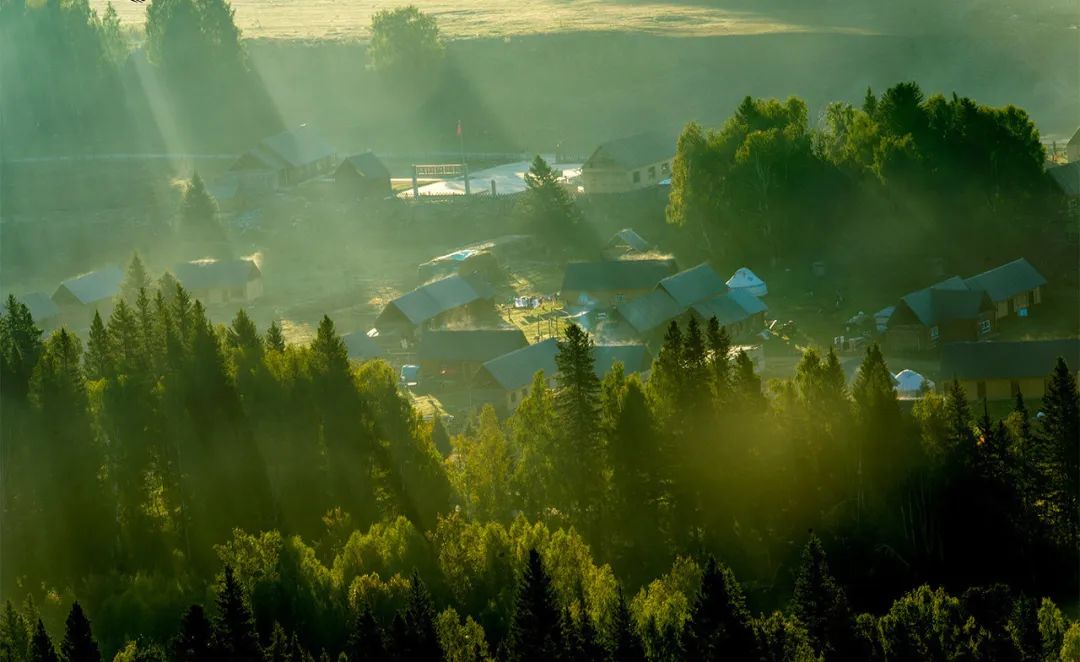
<point>234,628</point>
<point>243,334</point>
<point>535,631</point>
<point>719,627</point>
<point>821,605</point>
<point>1061,429</point>
<point>365,642</point>
<point>422,641</point>
<point>625,643</point>
<point>20,347</point>
<point>135,279</point>
<point>694,365</point>
<point>666,385</point>
<point>78,644</point>
<point>275,340</point>
<point>15,635</point>
<point>195,639</point>
<point>579,457</point>
<point>198,214</point>
<point>98,358</point>
<point>41,646</point>
<point>719,347</point>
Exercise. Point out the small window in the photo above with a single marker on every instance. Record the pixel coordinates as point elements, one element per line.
<point>637,176</point>
<point>984,327</point>
<point>619,298</point>
<point>981,390</point>
<point>935,333</point>
<point>652,172</point>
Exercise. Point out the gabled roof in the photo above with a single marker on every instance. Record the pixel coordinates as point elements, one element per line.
<point>694,285</point>
<point>208,274</point>
<point>616,275</point>
<point>1007,360</point>
<point>922,303</point>
<point>516,369</point>
<point>1008,280</point>
<point>735,306</point>
<point>632,151</point>
<point>94,286</point>
<point>1067,178</point>
<point>40,305</point>
<point>477,345</point>
<point>366,164</point>
<point>651,311</point>
<point>298,146</point>
<point>427,301</point>
<point>1075,140</point>
<point>627,237</point>
<point>361,347</point>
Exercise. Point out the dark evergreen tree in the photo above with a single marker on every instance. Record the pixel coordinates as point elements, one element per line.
<point>135,279</point>
<point>719,627</point>
<point>719,345</point>
<point>78,644</point>
<point>580,457</point>
<point>41,646</point>
<point>274,338</point>
<point>234,628</point>
<point>1061,429</point>
<point>365,643</point>
<point>195,639</point>
<point>98,358</point>
<point>535,630</point>
<point>14,635</point>
<point>821,605</point>
<point>625,643</point>
<point>421,642</point>
<point>20,347</point>
<point>198,215</point>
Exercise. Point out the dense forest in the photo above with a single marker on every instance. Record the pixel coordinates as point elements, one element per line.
<point>206,490</point>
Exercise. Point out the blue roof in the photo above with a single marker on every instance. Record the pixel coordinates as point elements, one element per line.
<point>1008,280</point>
<point>516,369</point>
<point>428,301</point>
<point>94,286</point>
<point>40,305</point>
<point>694,285</point>
<point>361,347</point>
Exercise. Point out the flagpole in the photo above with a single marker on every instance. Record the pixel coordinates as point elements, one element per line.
<point>461,146</point>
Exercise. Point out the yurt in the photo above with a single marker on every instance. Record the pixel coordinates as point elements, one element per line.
<point>747,281</point>
<point>910,385</point>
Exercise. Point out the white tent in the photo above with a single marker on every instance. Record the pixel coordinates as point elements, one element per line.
<point>747,281</point>
<point>911,385</point>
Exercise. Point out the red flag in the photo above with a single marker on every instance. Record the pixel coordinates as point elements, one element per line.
<point>459,128</point>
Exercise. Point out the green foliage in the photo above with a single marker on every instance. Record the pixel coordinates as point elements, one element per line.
<point>234,629</point>
<point>404,41</point>
<point>480,469</point>
<point>195,638</point>
<point>41,646</point>
<point>719,623</point>
<point>548,210</point>
<point>535,633</point>
<point>78,644</point>
<point>461,641</point>
<point>925,624</point>
<point>783,639</point>
<point>821,605</point>
<point>198,215</point>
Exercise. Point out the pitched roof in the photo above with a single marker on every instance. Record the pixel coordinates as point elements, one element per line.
<point>427,301</point>
<point>1007,360</point>
<point>628,237</point>
<point>735,306</point>
<point>361,347</point>
<point>1067,177</point>
<point>516,369</point>
<point>40,305</point>
<point>366,164</point>
<point>922,302</point>
<point>694,285</point>
<point>470,344</point>
<point>298,146</point>
<point>648,312</point>
<point>1075,140</point>
<point>94,286</point>
<point>206,274</point>
<point>1008,280</point>
<point>632,151</point>
<point>616,275</point>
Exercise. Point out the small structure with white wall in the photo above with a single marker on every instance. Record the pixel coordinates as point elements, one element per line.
<point>221,281</point>
<point>747,281</point>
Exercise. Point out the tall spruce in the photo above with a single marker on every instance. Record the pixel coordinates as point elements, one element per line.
<point>1061,429</point>
<point>234,629</point>
<point>41,646</point>
<point>625,643</point>
<point>719,627</point>
<point>78,644</point>
<point>422,641</point>
<point>275,340</point>
<point>135,279</point>
<point>821,605</point>
<point>194,640</point>
<point>365,641</point>
<point>535,634</point>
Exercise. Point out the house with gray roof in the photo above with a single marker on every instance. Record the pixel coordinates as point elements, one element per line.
<point>694,285</point>
<point>293,156</point>
<point>75,297</point>
<point>738,312</point>
<point>626,242</point>
<point>456,297</point>
<point>220,281</point>
<point>362,177</point>
<point>944,312</point>
<point>1000,370</point>
<point>629,163</point>
<point>613,281</point>
<point>43,309</point>
<point>650,315</point>
<point>1013,286</point>
<point>506,379</point>
<point>459,353</point>
<point>361,347</point>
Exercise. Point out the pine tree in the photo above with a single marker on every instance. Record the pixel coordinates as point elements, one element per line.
<point>135,279</point>
<point>275,340</point>
<point>198,214</point>
<point>1061,429</point>
<point>534,632</point>
<point>667,383</point>
<point>719,347</point>
<point>78,644</point>
<point>579,457</point>
<point>719,627</point>
<point>20,347</point>
<point>234,629</point>
<point>423,642</point>
<point>41,646</point>
<point>546,206</point>
<point>98,358</point>
<point>625,643</point>
<point>365,643</point>
<point>821,605</point>
<point>195,640</point>
<point>695,369</point>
